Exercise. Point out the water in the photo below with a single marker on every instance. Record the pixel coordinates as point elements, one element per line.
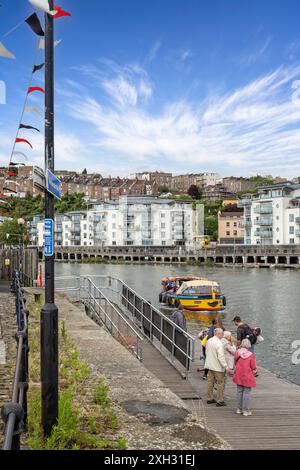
<point>268,298</point>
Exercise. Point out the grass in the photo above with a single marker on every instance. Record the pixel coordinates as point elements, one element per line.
<point>87,417</point>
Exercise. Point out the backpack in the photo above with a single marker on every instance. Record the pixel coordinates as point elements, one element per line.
<point>251,333</point>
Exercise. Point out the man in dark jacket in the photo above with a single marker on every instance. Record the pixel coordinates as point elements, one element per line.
<point>178,318</point>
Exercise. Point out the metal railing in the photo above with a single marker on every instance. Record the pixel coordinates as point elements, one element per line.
<point>175,344</point>
<point>102,310</point>
<point>14,413</point>
<point>108,296</point>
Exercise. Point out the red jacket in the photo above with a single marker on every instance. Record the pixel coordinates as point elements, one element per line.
<point>245,364</point>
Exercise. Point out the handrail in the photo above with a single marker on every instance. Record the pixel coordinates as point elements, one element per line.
<point>14,413</point>
<point>94,300</point>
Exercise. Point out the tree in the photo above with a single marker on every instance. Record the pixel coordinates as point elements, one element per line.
<point>84,172</point>
<point>194,192</point>
<point>11,233</point>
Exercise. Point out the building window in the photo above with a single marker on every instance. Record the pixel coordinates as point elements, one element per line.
<point>114,235</point>
<point>227,233</point>
<point>114,243</point>
<point>235,224</point>
<point>292,241</point>
<point>163,216</point>
<point>227,224</point>
<point>163,225</point>
<point>163,234</point>
<point>291,217</point>
<point>114,226</point>
<point>291,230</point>
<point>235,233</point>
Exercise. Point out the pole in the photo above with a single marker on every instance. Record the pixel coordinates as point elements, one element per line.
<point>49,313</point>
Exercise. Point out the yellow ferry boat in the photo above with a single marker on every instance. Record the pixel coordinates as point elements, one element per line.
<point>199,294</point>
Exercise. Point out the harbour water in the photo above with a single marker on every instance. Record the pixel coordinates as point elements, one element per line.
<point>266,298</point>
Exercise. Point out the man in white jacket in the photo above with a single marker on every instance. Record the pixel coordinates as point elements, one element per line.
<point>216,364</point>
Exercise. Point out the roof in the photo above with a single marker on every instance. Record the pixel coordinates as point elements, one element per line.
<point>197,284</point>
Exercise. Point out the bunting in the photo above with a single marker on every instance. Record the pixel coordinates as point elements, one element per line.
<point>35,88</point>
<point>42,5</point>
<point>23,141</point>
<point>37,67</point>
<point>5,52</point>
<point>42,43</point>
<point>33,109</point>
<point>60,12</point>
<point>21,154</point>
<point>34,23</point>
<point>24,126</point>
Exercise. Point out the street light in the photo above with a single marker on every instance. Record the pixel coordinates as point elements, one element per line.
<point>49,312</point>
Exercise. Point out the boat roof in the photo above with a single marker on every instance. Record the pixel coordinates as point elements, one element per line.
<point>204,282</point>
<point>184,278</point>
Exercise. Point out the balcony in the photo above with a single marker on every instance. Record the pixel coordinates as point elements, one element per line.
<point>264,221</point>
<point>244,202</point>
<point>297,220</point>
<point>263,210</point>
<point>266,234</point>
<point>297,233</point>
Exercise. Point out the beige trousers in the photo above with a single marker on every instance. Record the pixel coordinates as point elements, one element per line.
<point>215,378</point>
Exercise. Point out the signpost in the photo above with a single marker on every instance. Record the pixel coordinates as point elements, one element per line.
<point>53,184</point>
<point>49,312</point>
<point>49,238</point>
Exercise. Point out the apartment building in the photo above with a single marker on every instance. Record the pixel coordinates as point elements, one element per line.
<point>272,217</point>
<point>159,177</point>
<point>235,184</point>
<point>129,221</point>
<point>216,193</point>
<point>231,227</point>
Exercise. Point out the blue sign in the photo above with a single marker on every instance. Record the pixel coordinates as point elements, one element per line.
<point>48,237</point>
<point>53,184</point>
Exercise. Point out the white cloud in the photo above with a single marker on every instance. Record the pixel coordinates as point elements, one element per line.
<point>245,130</point>
<point>154,50</point>
<point>186,54</point>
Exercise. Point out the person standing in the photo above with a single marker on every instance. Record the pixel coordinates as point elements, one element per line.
<point>216,364</point>
<point>229,352</point>
<point>244,332</point>
<point>245,367</point>
<point>178,318</point>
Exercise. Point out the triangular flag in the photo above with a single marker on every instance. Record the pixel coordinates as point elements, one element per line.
<point>42,43</point>
<point>42,5</point>
<point>5,53</point>
<point>33,109</point>
<point>60,12</point>
<point>21,154</point>
<point>35,88</point>
<point>23,141</point>
<point>16,164</point>
<point>8,189</point>
<point>37,67</point>
<point>34,23</point>
<point>24,126</point>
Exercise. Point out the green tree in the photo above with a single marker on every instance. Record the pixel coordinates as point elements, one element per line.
<point>194,192</point>
<point>71,202</point>
<point>11,233</point>
<point>262,180</point>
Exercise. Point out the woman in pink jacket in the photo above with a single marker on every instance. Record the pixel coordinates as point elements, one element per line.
<point>245,368</point>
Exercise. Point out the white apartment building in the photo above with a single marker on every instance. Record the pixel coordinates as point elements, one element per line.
<point>130,221</point>
<point>272,217</point>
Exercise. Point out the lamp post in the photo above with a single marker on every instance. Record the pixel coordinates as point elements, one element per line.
<point>49,312</point>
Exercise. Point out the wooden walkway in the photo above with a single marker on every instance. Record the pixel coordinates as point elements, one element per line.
<point>275,423</point>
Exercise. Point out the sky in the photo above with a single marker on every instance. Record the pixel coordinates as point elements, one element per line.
<point>186,86</point>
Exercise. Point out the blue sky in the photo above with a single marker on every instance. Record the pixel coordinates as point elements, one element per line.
<point>177,85</point>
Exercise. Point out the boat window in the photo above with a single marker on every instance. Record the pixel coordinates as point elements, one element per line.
<point>216,289</point>
<point>197,290</point>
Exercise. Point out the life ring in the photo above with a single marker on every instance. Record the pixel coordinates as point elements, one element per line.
<point>224,300</point>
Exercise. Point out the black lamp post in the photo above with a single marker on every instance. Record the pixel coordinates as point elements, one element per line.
<point>49,313</point>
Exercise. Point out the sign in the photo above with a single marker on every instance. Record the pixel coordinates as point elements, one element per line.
<point>39,179</point>
<point>53,184</point>
<point>49,237</point>
<point>7,262</point>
